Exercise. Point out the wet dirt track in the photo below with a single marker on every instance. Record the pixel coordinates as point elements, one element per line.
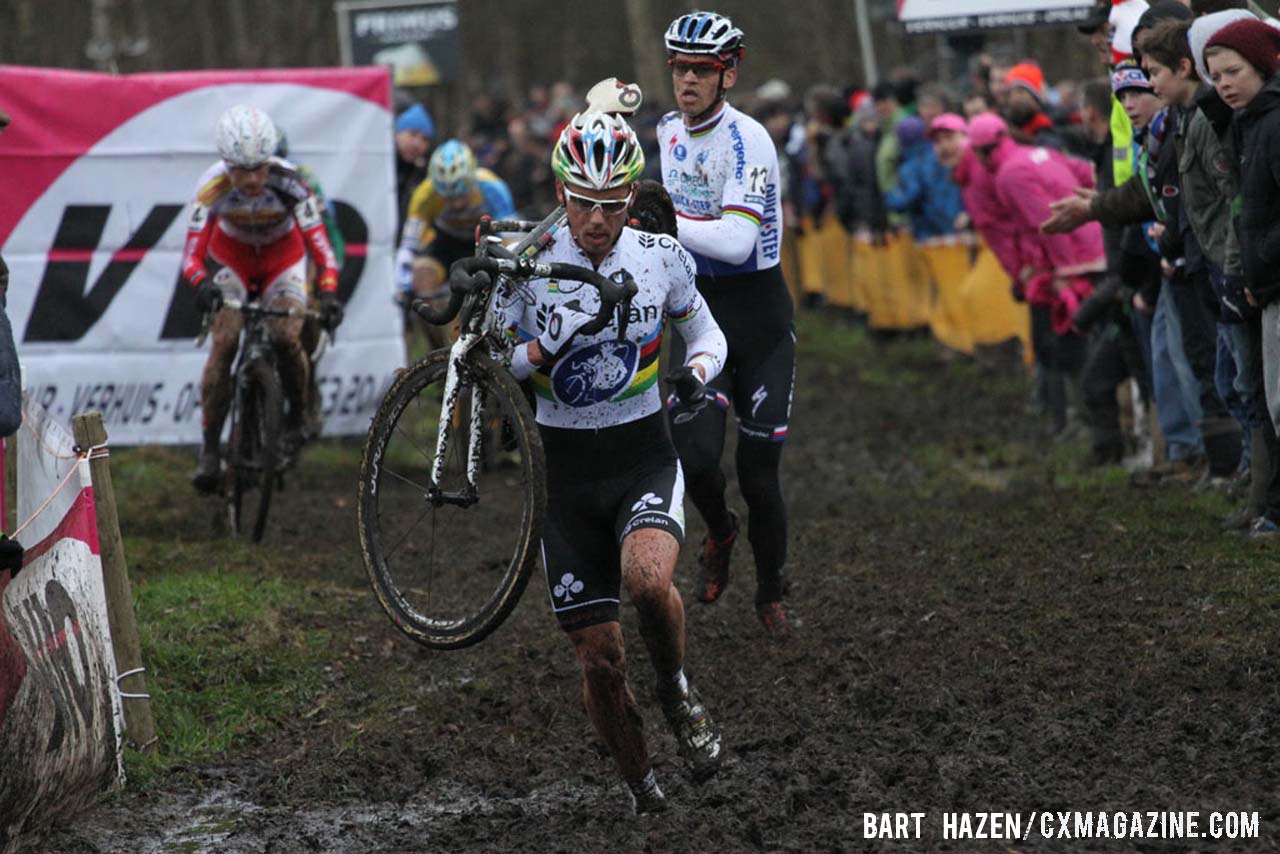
<point>971,636</point>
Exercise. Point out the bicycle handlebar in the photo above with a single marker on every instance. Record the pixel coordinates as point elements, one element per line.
<point>251,308</point>
<point>463,278</point>
<point>266,310</point>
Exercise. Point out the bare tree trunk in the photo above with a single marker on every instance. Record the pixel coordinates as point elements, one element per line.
<point>243,45</point>
<point>645,49</point>
<point>208,53</point>
<point>101,48</point>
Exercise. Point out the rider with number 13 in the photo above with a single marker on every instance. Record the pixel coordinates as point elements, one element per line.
<point>721,169</point>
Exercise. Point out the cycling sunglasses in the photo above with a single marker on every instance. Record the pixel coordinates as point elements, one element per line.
<point>700,67</point>
<point>586,204</point>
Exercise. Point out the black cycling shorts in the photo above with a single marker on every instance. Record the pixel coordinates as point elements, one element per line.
<point>601,486</point>
<point>754,312</point>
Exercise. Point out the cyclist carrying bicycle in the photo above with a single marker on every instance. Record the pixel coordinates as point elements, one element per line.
<point>721,169</point>
<point>255,216</point>
<point>442,219</point>
<point>615,489</point>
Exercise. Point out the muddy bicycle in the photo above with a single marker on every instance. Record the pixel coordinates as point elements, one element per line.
<point>452,480</point>
<point>255,461</point>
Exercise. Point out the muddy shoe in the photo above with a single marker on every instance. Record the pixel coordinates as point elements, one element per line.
<point>291,443</point>
<point>773,616</point>
<point>1186,470</point>
<point>1263,529</point>
<point>646,796</point>
<point>208,473</point>
<point>713,564</point>
<point>1239,520</point>
<point>697,736</point>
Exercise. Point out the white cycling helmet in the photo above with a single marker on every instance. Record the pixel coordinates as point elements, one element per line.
<point>704,32</point>
<point>246,136</point>
<point>599,151</point>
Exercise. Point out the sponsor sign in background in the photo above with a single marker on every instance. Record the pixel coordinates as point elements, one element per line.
<point>60,715</point>
<point>418,39</point>
<point>928,16</point>
<point>97,172</point>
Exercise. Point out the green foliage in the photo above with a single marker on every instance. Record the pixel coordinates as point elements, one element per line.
<point>222,664</point>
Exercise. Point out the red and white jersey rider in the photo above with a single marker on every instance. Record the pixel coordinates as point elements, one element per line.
<point>262,239</point>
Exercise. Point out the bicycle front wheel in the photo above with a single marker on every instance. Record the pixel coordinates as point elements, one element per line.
<point>255,448</point>
<point>448,563</point>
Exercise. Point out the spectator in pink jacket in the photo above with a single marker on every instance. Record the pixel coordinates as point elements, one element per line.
<point>1027,179</point>
<point>983,210</point>
<point>1052,269</point>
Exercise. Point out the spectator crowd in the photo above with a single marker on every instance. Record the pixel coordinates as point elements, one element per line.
<point>1131,212</point>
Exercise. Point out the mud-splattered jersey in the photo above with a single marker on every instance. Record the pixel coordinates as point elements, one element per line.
<point>601,382</point>
<point>284,204</point>
<point>726,166</point>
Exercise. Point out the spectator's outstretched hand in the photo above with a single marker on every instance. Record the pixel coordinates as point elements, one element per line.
<point>1070,213</point>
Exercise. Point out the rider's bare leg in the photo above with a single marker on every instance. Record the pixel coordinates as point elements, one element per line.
<point>610,703</point>
<point>648,566</point>
<point>428,281</point>
<point>295,368</point>
<point>215,382</point>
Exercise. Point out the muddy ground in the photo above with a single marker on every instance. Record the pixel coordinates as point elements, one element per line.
<point>981,626</point>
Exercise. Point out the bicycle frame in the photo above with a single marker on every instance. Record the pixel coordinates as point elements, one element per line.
<point>472,330</point>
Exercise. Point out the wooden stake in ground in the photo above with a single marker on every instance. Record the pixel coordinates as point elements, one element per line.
<point>139,725</point>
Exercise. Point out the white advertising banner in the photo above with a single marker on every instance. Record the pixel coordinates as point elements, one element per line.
<point>937,16</point>
<point>97,173</point>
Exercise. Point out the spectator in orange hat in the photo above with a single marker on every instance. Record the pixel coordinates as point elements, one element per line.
<point>1028,122</point>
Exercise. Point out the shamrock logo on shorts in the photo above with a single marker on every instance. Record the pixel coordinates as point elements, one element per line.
<point>568,585</point>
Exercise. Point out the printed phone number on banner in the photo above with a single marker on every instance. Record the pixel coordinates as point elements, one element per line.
<point>158,402</point>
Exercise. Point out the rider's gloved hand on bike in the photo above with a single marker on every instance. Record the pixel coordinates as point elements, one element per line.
<point>331,311</point>
<point>690,391</point>
<point>208,296</point>
<point>563,322</point>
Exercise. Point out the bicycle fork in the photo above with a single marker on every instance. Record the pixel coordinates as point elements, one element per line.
<point>452,389</point>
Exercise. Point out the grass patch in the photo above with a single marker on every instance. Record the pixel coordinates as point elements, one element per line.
<point>222,664</point>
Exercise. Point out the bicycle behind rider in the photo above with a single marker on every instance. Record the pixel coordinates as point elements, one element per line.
<point>255,216</point>
<point>441,224</point>
<point>721,169</point>
<point>615,514</point>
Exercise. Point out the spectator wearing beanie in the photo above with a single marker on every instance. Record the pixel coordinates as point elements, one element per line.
<point>1028,122</point>
<point>414,132</point>
<point>1242,60</point>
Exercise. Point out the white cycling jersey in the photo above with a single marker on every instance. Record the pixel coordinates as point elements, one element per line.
<point>723,179</point>
<point>601,382</point>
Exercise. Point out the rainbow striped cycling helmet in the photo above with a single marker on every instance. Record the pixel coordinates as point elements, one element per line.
<point>704,32</point>
<point>452,169</point>
<point>599,151</point>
